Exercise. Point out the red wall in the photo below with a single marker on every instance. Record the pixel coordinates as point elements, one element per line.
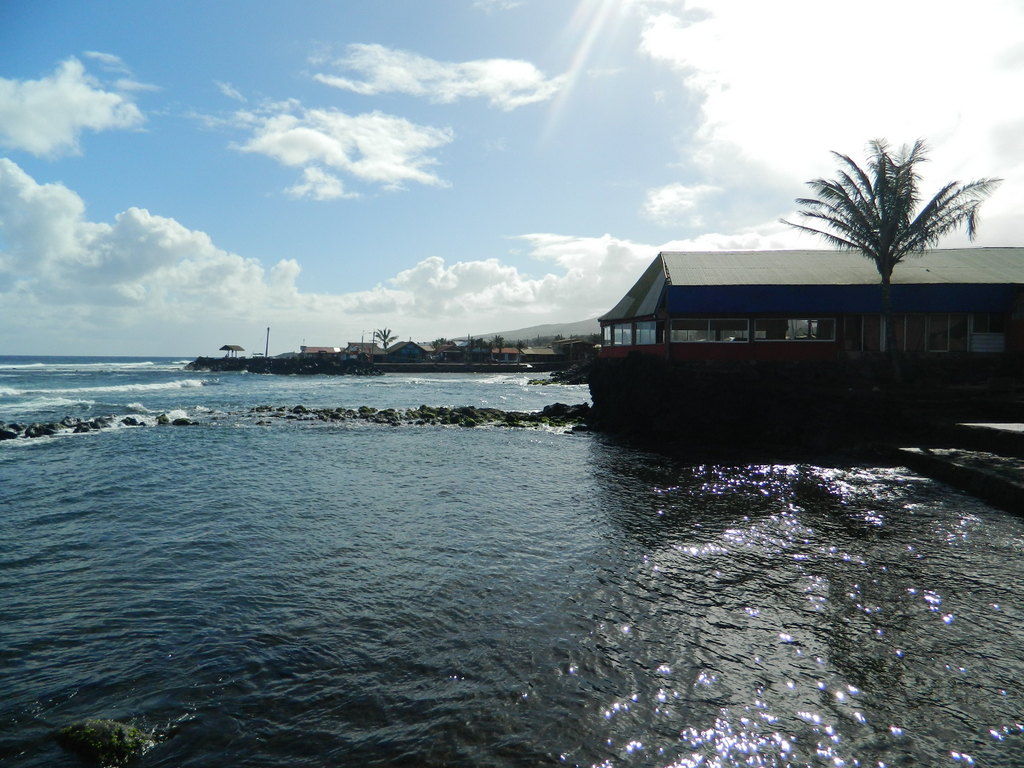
<point>762,350</point>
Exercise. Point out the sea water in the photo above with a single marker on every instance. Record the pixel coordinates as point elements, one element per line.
<point>305,593</point>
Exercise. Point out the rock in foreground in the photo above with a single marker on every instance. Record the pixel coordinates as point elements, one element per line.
<point>104,742</point>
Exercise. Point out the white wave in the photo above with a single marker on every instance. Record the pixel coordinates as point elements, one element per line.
<point>119,388</point>
<point>46,403</point>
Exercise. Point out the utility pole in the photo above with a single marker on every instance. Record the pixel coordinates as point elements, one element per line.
<point>266,349</point>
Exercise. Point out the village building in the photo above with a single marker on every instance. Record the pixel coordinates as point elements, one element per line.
<point>409,352</point>
<point>818,305</point>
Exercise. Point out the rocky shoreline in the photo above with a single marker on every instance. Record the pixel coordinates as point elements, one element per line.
<point>558,416</point>
<point>329,365</point>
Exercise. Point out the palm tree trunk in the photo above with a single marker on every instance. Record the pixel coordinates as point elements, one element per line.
<point>891,348</point>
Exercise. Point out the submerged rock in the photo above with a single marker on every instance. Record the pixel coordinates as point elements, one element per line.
<point>104,742</point>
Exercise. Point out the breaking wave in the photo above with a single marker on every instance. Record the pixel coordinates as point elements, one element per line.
<point>112,389</point>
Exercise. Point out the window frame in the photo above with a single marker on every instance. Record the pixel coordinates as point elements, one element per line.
<point>818,320</point>
<point>710,332</point>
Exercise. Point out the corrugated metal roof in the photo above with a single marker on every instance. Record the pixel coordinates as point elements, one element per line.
<point>953,265</point>
<point>643,298</point>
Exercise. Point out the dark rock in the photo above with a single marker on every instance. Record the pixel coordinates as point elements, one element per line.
<point>104,742</point>
<point>182,422</point>
<point>8,434</point>
<point>163,419</point>
<point>41,430</point>
<point>131,421</point>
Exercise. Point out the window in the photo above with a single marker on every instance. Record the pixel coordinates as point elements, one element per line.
<point>695,329</point>
<point>795,329</point>
<point>938,333</point>
<point>606,335</point>
<point>622,334</point>
<point>988,322</point>
<point>647,333</point>
<point>853,333</point>
<point>690,330</point>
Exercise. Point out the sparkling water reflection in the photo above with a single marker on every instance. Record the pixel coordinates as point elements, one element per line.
<point>336,594</point>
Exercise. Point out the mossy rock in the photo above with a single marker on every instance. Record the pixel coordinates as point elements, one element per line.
<point>104,742</point>
<point>163,419</point>
<point>182,422</point>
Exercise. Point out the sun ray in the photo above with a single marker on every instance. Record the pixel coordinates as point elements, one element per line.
<point>589,24</point>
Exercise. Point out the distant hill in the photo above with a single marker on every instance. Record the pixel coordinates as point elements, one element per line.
<point>546,332</point>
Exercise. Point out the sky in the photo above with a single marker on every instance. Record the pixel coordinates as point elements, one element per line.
<point>175,176</point>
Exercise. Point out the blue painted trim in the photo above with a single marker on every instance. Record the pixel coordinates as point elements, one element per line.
<point>835,299</point>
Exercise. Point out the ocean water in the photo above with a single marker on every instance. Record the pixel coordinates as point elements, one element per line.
<point>305,593</point>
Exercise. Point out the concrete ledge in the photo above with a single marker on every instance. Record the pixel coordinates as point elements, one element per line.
<point>997,479</point>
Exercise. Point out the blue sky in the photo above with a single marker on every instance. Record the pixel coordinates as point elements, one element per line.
<point>175,176</point>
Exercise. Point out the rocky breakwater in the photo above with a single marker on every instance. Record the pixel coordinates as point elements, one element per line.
<point>557,415</point>
<point>73,425</point>
<point>299,365</point>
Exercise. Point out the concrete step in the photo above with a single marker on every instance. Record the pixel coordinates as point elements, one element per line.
<point>994,477</point>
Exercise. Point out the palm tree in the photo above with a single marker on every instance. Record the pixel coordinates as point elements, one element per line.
<point>385,337</point>
<point>437,344</point>
<point>497,342</point>
<point>875,211</point>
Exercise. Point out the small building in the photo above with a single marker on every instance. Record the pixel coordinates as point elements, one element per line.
<point>538,355</point>
<point>363,350</point>
<point>818,305</point>
<point>409,352</point>
<point>505,355</point>
<point>574,350</point>
<point>319,350</point>
<point>231,350</point>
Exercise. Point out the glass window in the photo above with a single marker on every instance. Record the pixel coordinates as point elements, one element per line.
<point>795,329</point>
<point>989,322</point>
<point>729,329</point>
<point>606,334</point>
<point>622,334</point>
<point>692,329</point>
<point>853,332</point>
<point>938,333</point>
<point>647,333</point>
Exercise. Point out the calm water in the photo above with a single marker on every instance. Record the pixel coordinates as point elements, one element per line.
<point>314,594</point>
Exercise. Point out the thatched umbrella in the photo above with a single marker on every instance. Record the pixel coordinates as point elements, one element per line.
<point>232,350</point>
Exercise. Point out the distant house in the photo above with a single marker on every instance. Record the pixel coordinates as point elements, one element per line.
<point>409,352</point>
<point>359,350</point>
<point>538,355</point>
<point>818,305</point>
<point>574,349</point>
<point>320,350</point>
<point>505,355</point>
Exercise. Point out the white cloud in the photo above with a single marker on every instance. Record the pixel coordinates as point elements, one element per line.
<point>374,147</point>
<point>505,83</point>
<point>496,5</point>
<point>46,117</point>
<point>147,274</point>
<point>781,84</point>
<point>678,203</point>
<point>154,263</point>
<point>319,185</point>
<point>227,89</point>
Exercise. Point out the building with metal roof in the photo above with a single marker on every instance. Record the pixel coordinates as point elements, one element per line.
<point>790,305</point>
